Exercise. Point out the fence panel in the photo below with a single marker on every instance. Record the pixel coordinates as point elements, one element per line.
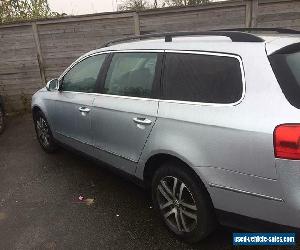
<point>279,14</point>
<point>19,69</point>
<point>32,53</point>
<point>62,43</point>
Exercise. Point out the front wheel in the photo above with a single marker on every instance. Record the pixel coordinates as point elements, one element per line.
<point>2,120</point>
<point>182,202</point>
<point>44,133</point>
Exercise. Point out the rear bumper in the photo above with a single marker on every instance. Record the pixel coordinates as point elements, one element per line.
<point>289,176</point>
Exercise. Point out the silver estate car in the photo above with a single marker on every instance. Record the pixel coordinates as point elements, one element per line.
<point>208,121</point>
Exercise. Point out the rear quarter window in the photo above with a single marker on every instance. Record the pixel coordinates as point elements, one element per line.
<point>202,78</point>
<point>286,66</point>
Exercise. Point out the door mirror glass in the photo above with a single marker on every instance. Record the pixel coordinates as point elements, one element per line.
<point>52,85</point>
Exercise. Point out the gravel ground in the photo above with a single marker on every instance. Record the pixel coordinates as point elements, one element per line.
<point>39,206</point>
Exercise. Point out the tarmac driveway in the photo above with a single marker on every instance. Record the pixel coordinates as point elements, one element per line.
<point>40,206</point>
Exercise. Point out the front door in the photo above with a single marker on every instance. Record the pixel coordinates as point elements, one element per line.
<point>74,102</point>
<point>126,111</point>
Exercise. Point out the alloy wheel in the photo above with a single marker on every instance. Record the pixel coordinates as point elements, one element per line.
<point>43,131</point>
<point>177,205</point>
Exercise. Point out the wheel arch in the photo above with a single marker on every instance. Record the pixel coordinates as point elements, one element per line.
<point>36,109</point>
<point>157,160</point>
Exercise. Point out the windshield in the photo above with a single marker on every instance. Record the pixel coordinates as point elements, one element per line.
<point>286,66</point>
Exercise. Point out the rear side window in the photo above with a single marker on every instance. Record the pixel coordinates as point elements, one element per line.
<point>131,74</point>
<point>202,78</point>
<point>286,66</point>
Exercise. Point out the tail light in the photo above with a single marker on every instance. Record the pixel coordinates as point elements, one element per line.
<point>287,141</point>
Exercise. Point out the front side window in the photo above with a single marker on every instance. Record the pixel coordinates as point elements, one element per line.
<point>202,78</point>
<point>83,76</point>
<point>131,74</point>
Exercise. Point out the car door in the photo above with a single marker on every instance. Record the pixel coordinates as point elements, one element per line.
<point>74,101</point>
<point>126,110</point>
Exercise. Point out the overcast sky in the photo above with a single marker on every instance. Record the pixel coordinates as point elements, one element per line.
<point>77,7</point>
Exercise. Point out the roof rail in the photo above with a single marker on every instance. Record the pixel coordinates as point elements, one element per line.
<point>235,36</point>
<point>276,30</point>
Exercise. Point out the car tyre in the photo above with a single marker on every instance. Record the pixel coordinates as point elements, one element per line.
<point>2,120</point>
<point>182,202</point>
<point>43,132</point>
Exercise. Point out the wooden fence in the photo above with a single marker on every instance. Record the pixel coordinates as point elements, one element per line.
<point>34,52</point>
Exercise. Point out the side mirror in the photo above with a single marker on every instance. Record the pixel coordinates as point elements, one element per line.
<point>52,85</point>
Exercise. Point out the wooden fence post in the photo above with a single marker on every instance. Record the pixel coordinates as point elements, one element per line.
<point>39,52</point>
<point>136,19</point>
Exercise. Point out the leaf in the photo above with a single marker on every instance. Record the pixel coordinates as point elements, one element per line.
<point>89,201</point>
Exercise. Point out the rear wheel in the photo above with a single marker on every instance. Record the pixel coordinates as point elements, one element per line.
<point>182,202</point>
<point>2,120</point>
<point>44,133</point>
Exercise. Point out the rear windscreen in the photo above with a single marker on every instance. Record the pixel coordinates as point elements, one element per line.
<point>286,66</point>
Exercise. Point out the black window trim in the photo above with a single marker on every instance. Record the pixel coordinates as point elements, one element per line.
<point>221,54</point>
<point>156,87</point>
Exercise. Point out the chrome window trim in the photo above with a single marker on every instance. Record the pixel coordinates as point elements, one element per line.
<point>80,59</point>
<point>164,51</point>
<point>212,54</point>
<point>115,96</point>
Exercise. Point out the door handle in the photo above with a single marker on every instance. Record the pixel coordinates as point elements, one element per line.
<point>84,109</point>
<point>142,121</point>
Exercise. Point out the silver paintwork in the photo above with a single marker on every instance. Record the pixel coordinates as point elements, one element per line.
<point>229,146</point>
<point>245,192</point>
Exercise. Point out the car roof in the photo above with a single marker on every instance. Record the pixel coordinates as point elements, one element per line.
<point>222,44</point>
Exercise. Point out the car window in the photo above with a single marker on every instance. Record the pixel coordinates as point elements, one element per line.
<point>286,66</point>
<point>293,61</point>
<point>83,76</point>
<point>131,74</point>
<point>202,78</point>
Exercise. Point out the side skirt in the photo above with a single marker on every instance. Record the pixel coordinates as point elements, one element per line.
<point>119,172</point>
<point>250,224</point>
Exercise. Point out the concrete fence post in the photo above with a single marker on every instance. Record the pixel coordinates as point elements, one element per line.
<point>254,13</point>
<point>39,52</point>
<point>251,13</point>
<point>136,19</point>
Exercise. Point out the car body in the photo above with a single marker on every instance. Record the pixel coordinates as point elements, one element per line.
<point>227,145</point>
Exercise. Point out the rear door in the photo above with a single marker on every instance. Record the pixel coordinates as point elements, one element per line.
<point>126,110</point>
